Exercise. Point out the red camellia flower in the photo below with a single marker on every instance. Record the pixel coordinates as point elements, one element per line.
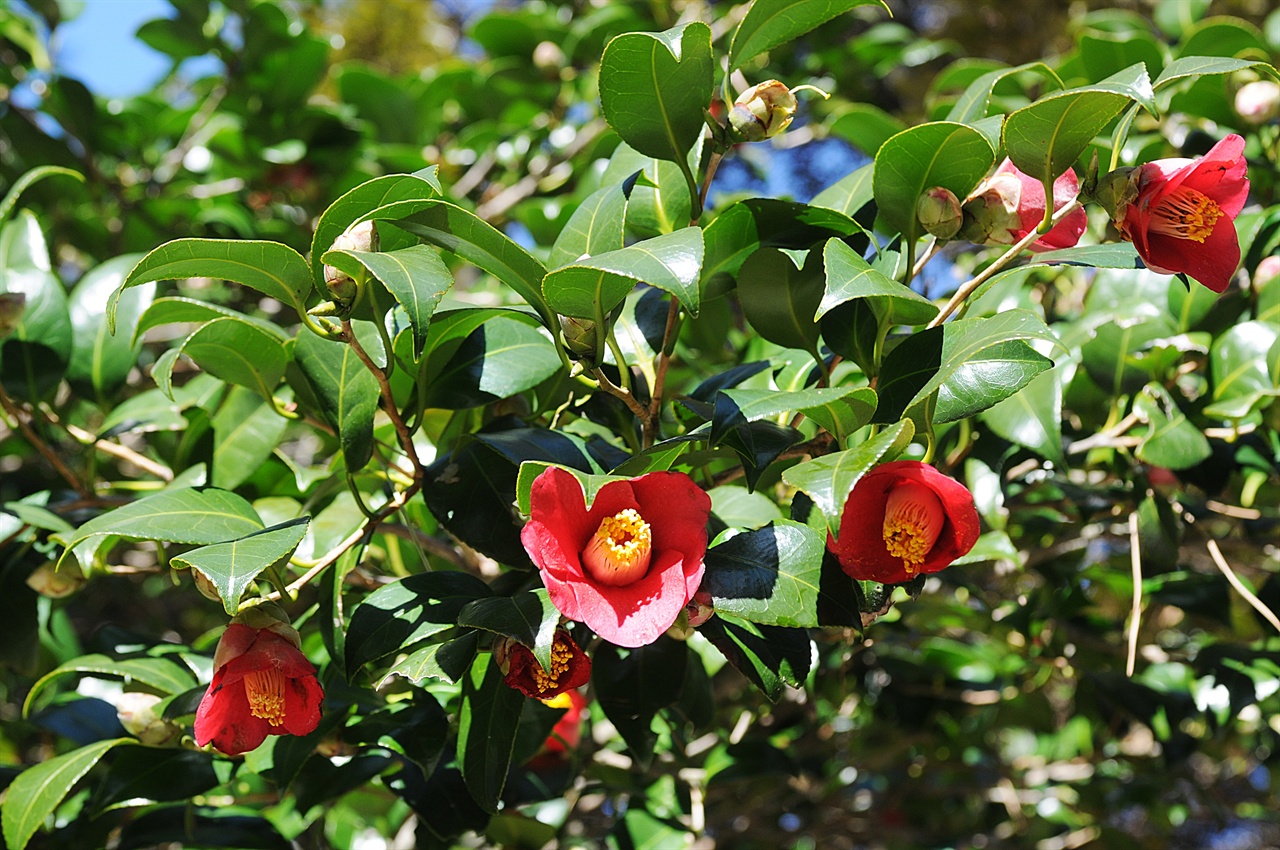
<point>262,685</point>
<point>627,566</point>
<point>570,667</point>
<point>1009,204</point>
<point>1180,213</point>
<point>902,519</point>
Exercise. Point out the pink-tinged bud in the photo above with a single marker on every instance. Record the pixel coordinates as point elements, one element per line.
<point>55,581</point>
<point>358,237</point>
<point>699,609</point>
<point>938,212</point>
<point>763,111</point>
<point>138,715</point>
<point>991,213</point>
<point>1268,269</point>
<point>548,58</point>
<point>1258,102</point>
<point>1010,205</point>
<point>12,306</point>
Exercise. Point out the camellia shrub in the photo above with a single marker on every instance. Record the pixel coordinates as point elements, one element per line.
<point>482,458</point>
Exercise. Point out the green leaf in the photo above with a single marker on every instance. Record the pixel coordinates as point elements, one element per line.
<point>1032,416</point>
<point>771,23</point>
<point>1245,365</point>
<point>971,106</point>
<point>769,576</point>
<point>446,661</point>
<point>33,176</point>
<point>632,685</point>
<point>1202,66</point>
<point>733,407</point>
<point>940,153</point>
<point>165,676</point>
<point>1115,359</point>
<point>1171,440</point>
<point>450,227</point>
<point>1047,137</point>
<point>35,354</point>
<point>850,193</point>
<point>164,311</point>
<point>416,276</point>
<point>927,360</point>
<point>527,617</point>
<point>656,87</point>
<point>246,430</point>
<point>39,790</point>
<point>591,288</point>
<point>660,203</point>
<point>503,357</point>
<point>232,349</point>
<point>1116,255</point>
<point>770,656</point>
<point>487,725</point>
<point>829,479</point>
<point>233,565</point>
<point>595,227</point>
<point>987,378</point>
<point>99,358</point>
<point>347,391</point>
<point>850,277</point>
<point>867,127</point>
<point>153,774</point>
<point>400,614</point>
<point>1105,53</point>
<point>843,417</point>
<point>269,267</point>
<point>193,517</point>
<point>363,199</point>
<point>780,300</point>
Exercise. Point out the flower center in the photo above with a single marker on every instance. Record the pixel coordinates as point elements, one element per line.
<point>913,519</point>
<point>1186,214</point>
<point>546,680</point>
<point>618,553</point>
<point>265,689</point>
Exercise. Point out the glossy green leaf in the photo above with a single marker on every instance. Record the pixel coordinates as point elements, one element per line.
<point>770,656</point>
<point>771,23</point>
<point>829,479</point>
<point>446,661</point>
<point>347,391</point>
<point>167,677</point>
<point>987,378</point>
<point>632,685</point>
<point>246,430</point>
<point>1245,364</point>
<point>656,87</point>
<point>165,311</point>
<point>527,617</point>
<point>592,287</point>
<point>397,615</point>
<point>1203,66</point>
<point>940,153</point>
<point>501,358</point>
<point>780,300</point>
<point>36,352</point>
<point>363,199</point>
<point>849,277</point>
<point>450,227</point>
<point>850,193</point>
<point>595,227</point>
<point>233,565</point>
<point>867,127</point>
<point>770,575</point>
<point>99,358</point>
<point>927,360</point>
<point>1105,53</point>
<point>269,267</point>
<point>416,276</point>
<point>1047,137</point>
<point>487,725</point>
<point>39,790</point>
<point>843,417</point>
<point>1171,440</point>
<point>972,104</point>
<point>154,774</point>
<point>1032,416</point>
<point>1116,255</point>
<point>29,178</point>
<point>732,407</point>
<point>1116,356</point>
<point>234,350</point>
<point>186,515</point>
<point>660,202</point>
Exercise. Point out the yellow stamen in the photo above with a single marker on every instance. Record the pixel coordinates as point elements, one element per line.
<point>265,689</point>
<point>913,519</point>
<point>1185,214</point>
<point>546,680</point>
<point>618,553</point>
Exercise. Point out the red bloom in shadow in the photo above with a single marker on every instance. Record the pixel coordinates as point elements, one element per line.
<point>903,519</point>
<point>567,732</point>
<point>262,685</point>
<point>570,667</point>
<point>627,566</point>
<point>1180,213</point>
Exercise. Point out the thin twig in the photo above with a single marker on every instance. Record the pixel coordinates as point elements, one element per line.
<point>107,447</point>
<point>967,288</point>
<point>46,451</point>
<point>1258,604</point>
<point>498,206</point>
<point>632,403</point>
<point>1109,437</point>
<point>388,400</point>
<point>1135,613</point>
<point>929,254</point>
<point>650,422</point>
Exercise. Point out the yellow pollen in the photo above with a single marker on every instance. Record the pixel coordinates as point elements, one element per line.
<point>265,689</point>
<point>913,519</point>
<point>618,553</point>
<point>547,680</point>
<point>1186,214</point>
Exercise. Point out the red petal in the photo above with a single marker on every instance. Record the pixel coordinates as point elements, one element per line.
<point>223,718</point>
<point>235,641</point>
<point>269,650</point>
<point>1212,263</point>
<point>635,614</point>
<point>302,699</point>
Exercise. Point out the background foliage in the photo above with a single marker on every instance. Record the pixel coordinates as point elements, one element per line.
<point>991,708</point>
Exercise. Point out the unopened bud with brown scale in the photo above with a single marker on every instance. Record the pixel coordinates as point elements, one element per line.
<point>938,212</point>
<point>56,582</point>
<point>360,236</point>
<point>763,111</point>
<point>12,306</point>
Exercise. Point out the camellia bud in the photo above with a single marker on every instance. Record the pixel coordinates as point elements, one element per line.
<point>206,587</point>
<point>938,211</point>
<point>1268,269</point>
<point>1116,190</point>
<point>548,58</point>
<point>12,306</point>
<point>763,111</point>
<point>360,236</point>
<point>55,581</point>
<point>1258,102</point>
<point>580,337</point>
<point>699,609</point>
<point>991,214</point>
<point>138,715</point>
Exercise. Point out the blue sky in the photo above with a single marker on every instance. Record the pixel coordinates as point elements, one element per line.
<point>98,46</point>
